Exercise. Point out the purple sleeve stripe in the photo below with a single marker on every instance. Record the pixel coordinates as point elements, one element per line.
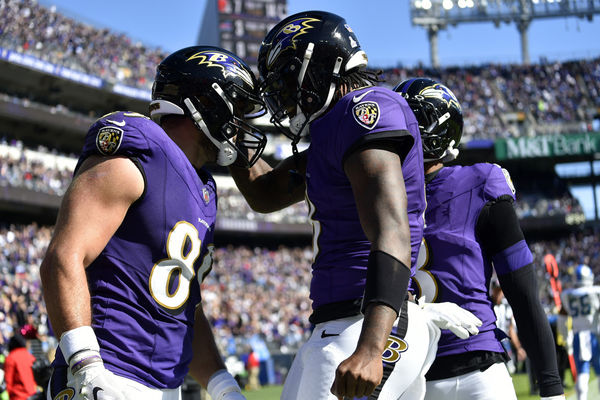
<point>512,258</point>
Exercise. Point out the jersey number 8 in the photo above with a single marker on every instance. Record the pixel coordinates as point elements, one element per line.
<point>183,236</point>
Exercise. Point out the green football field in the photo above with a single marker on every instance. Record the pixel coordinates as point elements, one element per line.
<point>521,382</point>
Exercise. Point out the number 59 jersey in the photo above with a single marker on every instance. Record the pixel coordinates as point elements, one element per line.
<point>145,284</point>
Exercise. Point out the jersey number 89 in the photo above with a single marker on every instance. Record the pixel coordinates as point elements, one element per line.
<point>184,236</point>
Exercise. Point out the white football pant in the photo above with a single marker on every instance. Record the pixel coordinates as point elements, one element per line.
<point>494,383</point>
<point>411,350</point>
<point>131,389</point>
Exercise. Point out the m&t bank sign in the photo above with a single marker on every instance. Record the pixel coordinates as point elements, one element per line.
<point>548,146</point>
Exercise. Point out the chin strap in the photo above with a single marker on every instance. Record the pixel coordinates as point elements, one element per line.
<point>227,153</point>
<point>450,154</point>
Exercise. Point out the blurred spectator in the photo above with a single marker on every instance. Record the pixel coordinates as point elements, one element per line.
<point>534,205</point>
<point>506,322</point>
<point>253,368</point>
<point>18,372</point>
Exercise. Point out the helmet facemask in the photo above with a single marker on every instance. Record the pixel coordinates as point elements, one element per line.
<point>439,116</point>
<point>217,90</point>
<point>295,93</point>
<point>432,127</point>
<point>231,134</point>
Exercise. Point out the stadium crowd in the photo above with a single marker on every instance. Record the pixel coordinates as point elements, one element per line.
<point>250,291</point>
<point>32,28</point>
<point>498,100</point>
<point>494,96</point>
<point>36,170</point>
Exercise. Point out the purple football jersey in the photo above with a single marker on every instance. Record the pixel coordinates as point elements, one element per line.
<point>341,249</point>
<point>145,284</point>
<point>455,269</point>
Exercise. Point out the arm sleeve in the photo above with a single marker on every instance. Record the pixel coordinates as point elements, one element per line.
<point>520,289</point>
<point>503,242</point>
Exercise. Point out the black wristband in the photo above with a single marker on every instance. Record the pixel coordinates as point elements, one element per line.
<point>387,281</point>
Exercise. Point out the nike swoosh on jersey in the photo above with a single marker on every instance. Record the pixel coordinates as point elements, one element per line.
<point>324,334</point>
<point>117,123</point>
<point>358,98</point>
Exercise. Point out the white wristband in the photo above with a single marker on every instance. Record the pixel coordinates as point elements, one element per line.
<point>221,383</point>
<point>559,397</point>
<point>78,339</point>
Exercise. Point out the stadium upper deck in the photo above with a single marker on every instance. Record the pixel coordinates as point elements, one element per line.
<point>499,100</point>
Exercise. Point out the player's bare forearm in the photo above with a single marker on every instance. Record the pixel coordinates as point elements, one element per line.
<point>380,195</point>
<point>206,357</point>
<point>66,291</point>
<point>92,210</point>
<point>268,189</point>
<point>377,325</point>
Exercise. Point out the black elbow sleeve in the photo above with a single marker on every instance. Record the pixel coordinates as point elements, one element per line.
<point>387,281</point>
<point>498,226</point>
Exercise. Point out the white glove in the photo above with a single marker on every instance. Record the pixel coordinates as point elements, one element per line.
<point>222,386</point>
<point>91,380</point>
<point>450,316</point>
<point>559,397</point>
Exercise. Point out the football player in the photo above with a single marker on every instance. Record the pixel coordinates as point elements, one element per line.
<point>471,229</point>
<point>582,303</point>
<point>134,236</point>
<point>363,179</point>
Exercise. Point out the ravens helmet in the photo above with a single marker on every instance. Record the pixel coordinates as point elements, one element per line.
<point>439,115</point>
<point>300,62</point>
<point>217,90</point>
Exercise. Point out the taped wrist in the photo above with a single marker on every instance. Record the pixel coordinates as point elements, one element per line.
<point>78,340</point>
<point>221,383</point>
<point>82,359</point>
<point>387,281</point>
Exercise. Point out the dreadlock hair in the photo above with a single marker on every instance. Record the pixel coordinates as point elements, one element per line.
<point>355,80</point>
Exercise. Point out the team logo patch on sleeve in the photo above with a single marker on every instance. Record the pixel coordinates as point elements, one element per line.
<point>205,195</point>
<point>366,114</point>
<point>108,140</point>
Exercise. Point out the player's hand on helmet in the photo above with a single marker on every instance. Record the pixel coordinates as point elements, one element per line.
<point>223,386</point>
<point>92,380</point>
<point>450,316</point>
